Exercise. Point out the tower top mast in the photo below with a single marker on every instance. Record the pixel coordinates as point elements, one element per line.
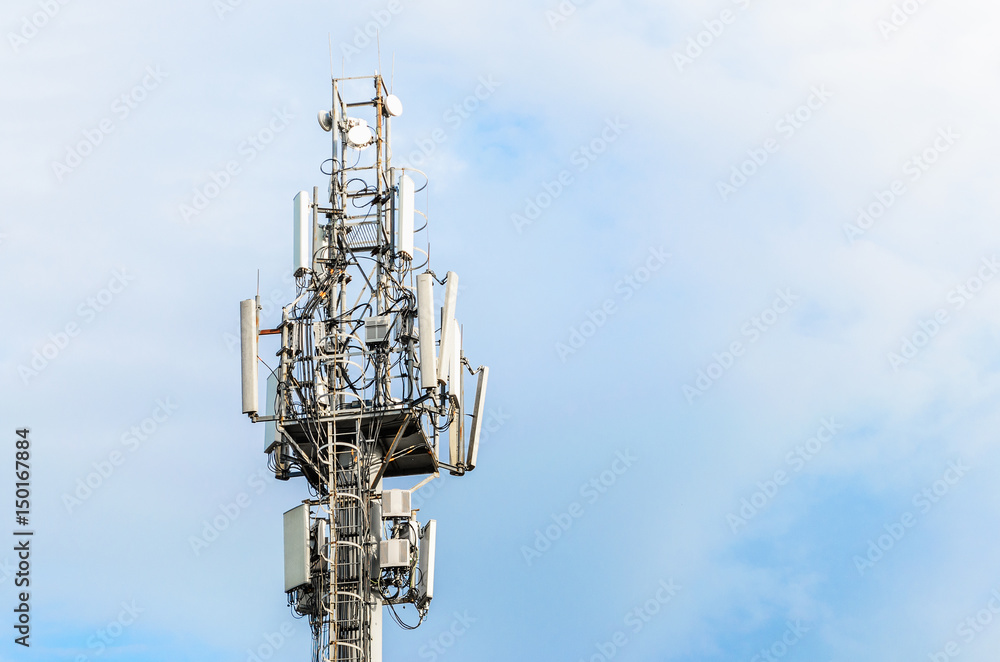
<point>369,385</point>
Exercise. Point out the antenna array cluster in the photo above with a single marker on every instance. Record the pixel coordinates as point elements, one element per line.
<point>368,385</point>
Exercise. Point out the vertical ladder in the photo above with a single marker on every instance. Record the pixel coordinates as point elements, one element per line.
<point>349,533</point>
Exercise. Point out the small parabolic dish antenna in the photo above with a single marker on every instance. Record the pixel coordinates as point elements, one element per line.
<point>359,136</point>
<point>325,119</point>
<point>393,105</point>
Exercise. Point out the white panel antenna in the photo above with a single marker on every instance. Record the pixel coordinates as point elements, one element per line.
<point>296,527</point>
<point>428,543</point>
<point>302,224</point>
<point>248,354</point>
<point>375,519</point>
<point>477,418</point>
<point>456,441</point>
<point>425,320</point>
<point>320,538</point>
<point>404,228</point>
<point>447,316</point>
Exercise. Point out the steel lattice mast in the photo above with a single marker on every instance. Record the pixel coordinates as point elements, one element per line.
<point>368,386</point>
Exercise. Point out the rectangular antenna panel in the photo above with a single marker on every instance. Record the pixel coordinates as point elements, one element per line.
<point>375,519</point>
<point>248,354</point>
<point>428,541</point>
<point>447,315</point>
<point>477,418</point>
<point>296,527</point>
<point>456,443</point>
<point>425,321</point>
<point>320,537</point>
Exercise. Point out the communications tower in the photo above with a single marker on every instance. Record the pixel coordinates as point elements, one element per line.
<point>367,384</point>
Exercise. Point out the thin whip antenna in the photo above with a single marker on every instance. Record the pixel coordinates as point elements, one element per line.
<point>378,48</point>
<point>329,36</point>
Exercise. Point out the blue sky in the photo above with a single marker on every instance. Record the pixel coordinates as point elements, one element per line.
<point>728,262</point>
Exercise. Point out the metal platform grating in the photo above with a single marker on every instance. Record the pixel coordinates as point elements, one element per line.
<point>361,236</point>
